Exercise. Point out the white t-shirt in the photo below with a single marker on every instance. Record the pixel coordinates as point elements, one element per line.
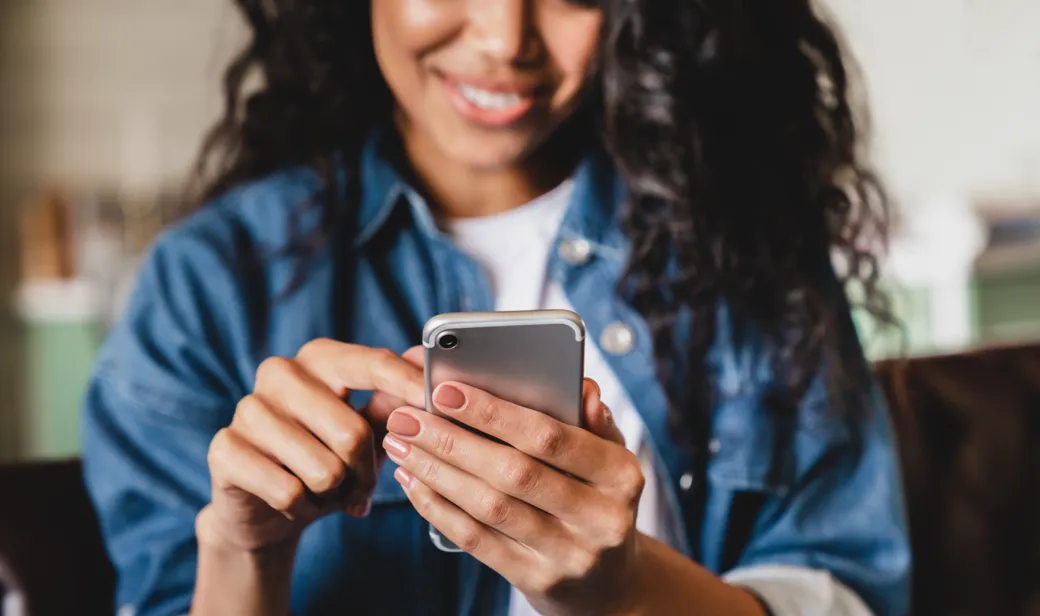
<point>514,248</point>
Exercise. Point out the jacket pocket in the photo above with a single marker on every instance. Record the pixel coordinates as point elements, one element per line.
<point>759,448</point>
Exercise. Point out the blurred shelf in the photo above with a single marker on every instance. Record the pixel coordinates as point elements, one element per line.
<point>58,301</point>
<point>1010,258</point>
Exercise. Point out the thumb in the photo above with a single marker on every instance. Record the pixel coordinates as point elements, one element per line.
<point>598,418</point>
<point>415,355</point>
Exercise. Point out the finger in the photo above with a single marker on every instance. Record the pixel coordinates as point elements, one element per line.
<point>382,404</point>
<point>416,356</point>
<point>237,466</point>
<point>508,515</point>
<point>506,469</point>
<point>288,444</point>
<point>378,411</point>
<point>380,407</point>
<point>291,390</point>
<point>344,367</point>
<point>484,543</point>
<point>568,448</point>
<point>598,418</point>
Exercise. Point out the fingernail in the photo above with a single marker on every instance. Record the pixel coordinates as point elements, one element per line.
<point>449,398</point>
<point>399,449</point>
<point>403,424</point>
<point>608,417</point>
<point>403,477</point>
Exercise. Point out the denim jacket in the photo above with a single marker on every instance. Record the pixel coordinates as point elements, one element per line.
<point>211,303</point>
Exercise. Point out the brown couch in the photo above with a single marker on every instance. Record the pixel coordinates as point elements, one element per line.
<point>50,548</point>
<point>969,436</point>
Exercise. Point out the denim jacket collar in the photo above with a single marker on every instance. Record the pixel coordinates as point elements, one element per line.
<point>598,196</point>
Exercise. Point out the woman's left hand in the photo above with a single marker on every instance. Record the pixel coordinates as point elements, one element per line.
<point>554,514</point>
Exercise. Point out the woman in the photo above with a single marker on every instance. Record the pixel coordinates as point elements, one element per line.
<point>679,173</point>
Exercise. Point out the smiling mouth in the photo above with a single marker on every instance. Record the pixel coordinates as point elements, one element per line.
<point>487,99</point>
<point>493,104</point>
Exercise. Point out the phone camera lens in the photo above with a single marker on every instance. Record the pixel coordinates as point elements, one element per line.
<point>448,341</point>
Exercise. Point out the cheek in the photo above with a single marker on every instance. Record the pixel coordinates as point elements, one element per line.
<point>403,31</point>
<point>413,18</point>
<point>571,46</point>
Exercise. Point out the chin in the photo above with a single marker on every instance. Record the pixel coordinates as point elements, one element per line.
<point>483,156</point>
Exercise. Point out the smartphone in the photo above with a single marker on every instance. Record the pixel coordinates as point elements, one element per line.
<point>533,358</point>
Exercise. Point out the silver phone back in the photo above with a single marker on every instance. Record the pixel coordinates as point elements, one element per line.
<point>532,358</point>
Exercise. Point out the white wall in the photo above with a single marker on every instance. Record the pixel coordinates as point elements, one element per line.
<point>81,78</point>
<point>955,91</point>
<point>100,94</point>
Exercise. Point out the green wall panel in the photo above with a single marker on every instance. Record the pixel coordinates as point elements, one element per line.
<point>1007,305</point>
<point>60,357</point>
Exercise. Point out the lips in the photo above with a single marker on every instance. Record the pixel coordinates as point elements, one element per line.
<point>490,103</point>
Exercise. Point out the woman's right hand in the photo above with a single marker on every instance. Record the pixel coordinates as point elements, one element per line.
<point>296,451</point>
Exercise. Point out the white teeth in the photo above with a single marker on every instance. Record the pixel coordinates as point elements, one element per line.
<point>489,100</point>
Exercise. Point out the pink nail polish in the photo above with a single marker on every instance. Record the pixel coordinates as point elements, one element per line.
<point>449,398</point>
<point>403,477</point>
<point>402,423</point>
<point>396,448</point>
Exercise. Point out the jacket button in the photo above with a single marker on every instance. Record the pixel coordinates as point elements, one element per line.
<point>575,251</point>
<point>714,446</point>
<point>686,481</point>
<point>617,339</point>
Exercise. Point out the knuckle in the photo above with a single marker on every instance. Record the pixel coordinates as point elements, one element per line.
<point>548,440</point>
<point>470,536</point>
<point>249,411</point>
<point>314,348</point>
<point>617,528</point>
<point>429,471</point>
<point>444,444</point>
<point>495,509</point>
<point>272,371</point>
<point>632,479</point>
<point>219,448</point>
<point>383,362</point>
<point>522,477</point>
<point>486,412</point>
<point>384,356</point>
<point>329,478</point>
<point>288,497</point>
<point>352,439</point>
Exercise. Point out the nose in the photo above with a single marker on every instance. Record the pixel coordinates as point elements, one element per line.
<point>503,29</point>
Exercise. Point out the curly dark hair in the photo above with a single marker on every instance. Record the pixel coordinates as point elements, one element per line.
<point>731,121</point>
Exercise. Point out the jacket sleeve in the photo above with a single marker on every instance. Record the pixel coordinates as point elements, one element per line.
<point>842,511</point>
<point>162,387</point>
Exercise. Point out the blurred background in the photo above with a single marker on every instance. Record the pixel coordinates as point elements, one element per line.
<point>104,103</point>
